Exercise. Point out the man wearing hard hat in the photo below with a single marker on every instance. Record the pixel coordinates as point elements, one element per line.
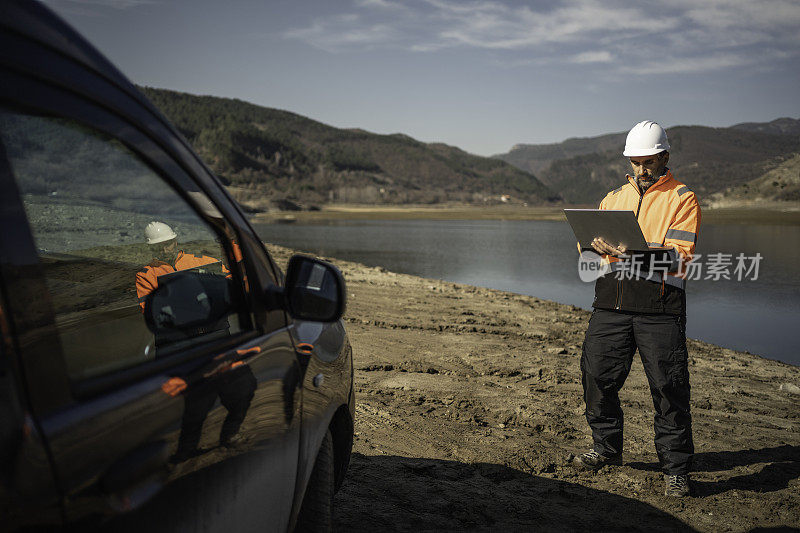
<point>645,311</point>
<point>235,387</point>
<point>166,259</point>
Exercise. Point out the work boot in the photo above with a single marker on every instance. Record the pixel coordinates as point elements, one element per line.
<point>594,461</point>
<point>676,485</point>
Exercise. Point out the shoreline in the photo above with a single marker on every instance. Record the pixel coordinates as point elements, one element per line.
<point>788,214</point>
<point>469,412</point>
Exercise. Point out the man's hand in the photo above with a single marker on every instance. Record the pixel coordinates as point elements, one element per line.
<point>602,247</point>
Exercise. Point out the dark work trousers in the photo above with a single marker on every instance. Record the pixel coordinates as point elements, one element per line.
<point>611,340</point>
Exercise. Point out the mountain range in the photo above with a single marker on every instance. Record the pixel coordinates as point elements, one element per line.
<point>710,160</point>
<point>273,158</point>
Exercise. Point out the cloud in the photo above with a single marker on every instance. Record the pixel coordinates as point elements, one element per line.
<point>688,65</point>
<point>735,14</point>
<point>345,31</point>
<point>383,4</point>
<point>496,26</point>
<point>592,57</point>
<point>625,36</point>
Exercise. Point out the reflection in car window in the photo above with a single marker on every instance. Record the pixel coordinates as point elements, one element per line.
<point>114,238</point>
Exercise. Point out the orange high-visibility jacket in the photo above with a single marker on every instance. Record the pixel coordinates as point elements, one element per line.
<point>669,215</point>
<point>147,278</point>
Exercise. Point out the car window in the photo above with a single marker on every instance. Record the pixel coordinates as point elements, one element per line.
<point>133,271</point>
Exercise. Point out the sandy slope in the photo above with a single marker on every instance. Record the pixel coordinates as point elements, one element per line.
<point>469,408</point>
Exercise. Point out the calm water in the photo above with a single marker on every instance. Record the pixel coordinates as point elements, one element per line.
<point>539,258</point>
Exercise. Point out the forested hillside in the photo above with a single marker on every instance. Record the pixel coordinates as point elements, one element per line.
<point>278,155</point>
<point>781,184</point>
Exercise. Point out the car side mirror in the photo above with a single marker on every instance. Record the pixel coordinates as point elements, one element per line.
<point>186,302</point>
<point>314,290</point>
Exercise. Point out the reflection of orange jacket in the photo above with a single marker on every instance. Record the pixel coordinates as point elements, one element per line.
<point>147,278</point>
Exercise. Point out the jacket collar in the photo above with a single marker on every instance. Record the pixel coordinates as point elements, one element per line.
<point>665,177</point>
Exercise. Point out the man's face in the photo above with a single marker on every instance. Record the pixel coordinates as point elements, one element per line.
<point>170,246</point>
<point>165,251</point>
<point>648,167</point>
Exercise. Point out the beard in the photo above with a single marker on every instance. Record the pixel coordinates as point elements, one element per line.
<point>648,178</point>
<point>162,255</point>
<point>645,181</point>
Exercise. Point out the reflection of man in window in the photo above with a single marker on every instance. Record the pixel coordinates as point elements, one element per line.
<point>167,258</point>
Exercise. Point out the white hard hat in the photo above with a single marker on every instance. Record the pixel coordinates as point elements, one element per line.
<point>645,138</point>
<point>157,232</point>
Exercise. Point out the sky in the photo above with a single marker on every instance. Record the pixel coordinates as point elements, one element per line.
<point>482,75</point>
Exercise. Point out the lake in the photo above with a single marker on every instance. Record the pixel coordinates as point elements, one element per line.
<point>539,258</point>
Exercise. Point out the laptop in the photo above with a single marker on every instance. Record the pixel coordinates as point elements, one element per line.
<point>615,227</point>
<point>209,268</point>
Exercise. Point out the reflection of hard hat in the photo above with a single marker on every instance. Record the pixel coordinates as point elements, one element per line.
<point>157,232</point>
<point>645,138</point>
<point>204,204</point>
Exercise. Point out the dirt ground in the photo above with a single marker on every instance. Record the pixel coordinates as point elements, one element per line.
<point>469,412</point>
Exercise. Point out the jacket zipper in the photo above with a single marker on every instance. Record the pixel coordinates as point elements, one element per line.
<point>638,209</point>
<point>639,192</point>
<point>641,195</point>
<point>618,302</point>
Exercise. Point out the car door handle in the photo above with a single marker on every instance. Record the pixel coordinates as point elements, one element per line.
<point>142,463</point>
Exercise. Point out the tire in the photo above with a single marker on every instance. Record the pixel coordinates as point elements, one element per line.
<point>316,513</point>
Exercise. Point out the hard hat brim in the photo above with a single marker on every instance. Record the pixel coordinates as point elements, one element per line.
<point>641,152</point>
<point>165,238</point>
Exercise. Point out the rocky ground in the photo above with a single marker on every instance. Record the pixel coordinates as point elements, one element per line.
<point>469,413</point>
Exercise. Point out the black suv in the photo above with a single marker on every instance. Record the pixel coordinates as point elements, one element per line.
<point>157,370</point>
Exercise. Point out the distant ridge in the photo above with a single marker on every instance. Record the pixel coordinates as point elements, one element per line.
<point>779,126</point>
<point>269,155</point>
<point>536,157</point>
<point>709,160</point>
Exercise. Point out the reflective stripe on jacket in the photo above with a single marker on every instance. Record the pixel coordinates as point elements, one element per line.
<point>669,215</point>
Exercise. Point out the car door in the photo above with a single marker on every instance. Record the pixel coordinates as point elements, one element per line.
<point>213,414</point>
